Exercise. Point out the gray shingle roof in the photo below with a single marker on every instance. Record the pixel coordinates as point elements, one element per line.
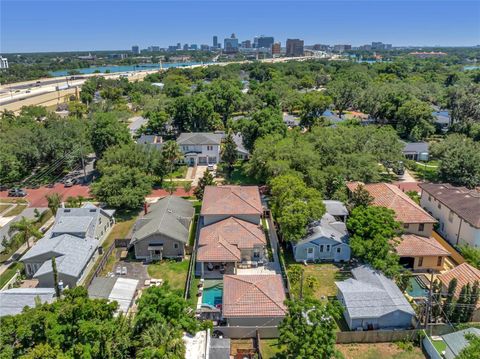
<point>14,300</point>
<point>79,221</point>
<point>101,287</point>
<point>200,138</point>
<point>170,216</point>
<point>72,253</point>
<point>415,147</point>
<point>335,208</point>
<point>328,228</point>
<point>372,295</point>
<point>457,342</point>
<point>238,138</point>
<point>219,348</point>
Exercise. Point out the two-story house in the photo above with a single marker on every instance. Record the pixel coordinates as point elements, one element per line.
<point>200,148</point>
<point>74,241</point>
<point>457,210</point>
<point>231,233</point>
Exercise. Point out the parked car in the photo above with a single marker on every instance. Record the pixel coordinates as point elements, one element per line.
<point>70,182</point>
<point>17,192</point>
<point>210,168</point>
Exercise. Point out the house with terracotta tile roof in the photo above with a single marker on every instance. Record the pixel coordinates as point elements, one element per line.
<point>414,218</point>
<point>221,202</point>
<point>457,210</point>
<point>253,300</point>
<point>465,274</point>
<point>421,253</point>
<point>229,242</point>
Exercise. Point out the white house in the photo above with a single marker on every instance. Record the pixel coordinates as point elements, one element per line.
<point>327,239</point>
<point>457,210</point>
<point>200,148</point>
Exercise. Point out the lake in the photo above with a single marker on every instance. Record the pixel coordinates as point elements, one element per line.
<point>128,68</point>
<point>471,67</point>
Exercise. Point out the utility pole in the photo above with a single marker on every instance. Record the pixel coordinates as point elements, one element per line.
<point>83,163</point>
<point>301,286</point>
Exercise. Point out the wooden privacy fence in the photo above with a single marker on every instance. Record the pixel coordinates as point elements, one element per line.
<point>377,336</point>
<point>100,265</point>
<point>122,242</point>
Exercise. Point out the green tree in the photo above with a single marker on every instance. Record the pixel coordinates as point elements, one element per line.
<point>54,202</point>
<point>473,348</point>
<point>314,104</point>
<point>294,206</point>
<point>171,152</point>
<point>459,308</point>
<point>471,304</point>
<point>194,113</point>
<point>261,123</point>
<point>459,160</point>
<point>206,180</point>
<point>25,229</point>
<point>415,120</point>
<point>471,255</point>
<point>77,109</point>
<point>360,197</point>
<point>229,151</point>
<point>448,304</point>
<point>308,330</point>
<point>121,187</point>
<point>225,95</point>
<point>373,231</point>
<point>106,131</point>
<point>161,340</point>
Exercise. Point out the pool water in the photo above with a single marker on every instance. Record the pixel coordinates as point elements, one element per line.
<point>213,295</point>
<point>417,289</point>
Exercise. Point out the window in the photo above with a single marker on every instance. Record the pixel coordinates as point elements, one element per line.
<point>339,250</point>
<point>421,227</point>
<point>450,217</point>
<point>256,253</point>
<point>328,247</point>
<point>439,206</point>
<point>310,250</point>
<point>321,248</point>
<point>406,225</point>
<point>209,148</point>
<point>175,245</point>
<point>439,261</point>
<point>420,261</point>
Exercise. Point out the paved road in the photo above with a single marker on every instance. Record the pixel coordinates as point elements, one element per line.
<point>36,197</point>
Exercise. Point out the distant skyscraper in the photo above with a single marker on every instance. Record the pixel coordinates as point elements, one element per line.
<point>179,46</point>
<point>276,48</point>
<point>215,41</point>
<point>185,47</point>
<point>320,47</point>
<point>135,50</point>
<point>230,45</point>
<point>247,44</point>
<point>263,42</point>
<point>193,47</point>
<point>294,47</point>
<point>3,63</point>
<point>204,47</point>
<point>342,48</point>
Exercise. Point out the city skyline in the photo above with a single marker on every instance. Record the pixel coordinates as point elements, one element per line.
<point>85,25</point>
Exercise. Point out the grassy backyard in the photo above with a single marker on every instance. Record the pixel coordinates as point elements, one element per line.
<point>427,171</point>
<point>15,211</point>
<point>10,272</point>
<point>173,272</point>
<point>270,349</point>
<point>379,350</point>
<point>239,176</point>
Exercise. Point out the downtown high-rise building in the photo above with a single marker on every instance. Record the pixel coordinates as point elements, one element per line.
<point>276,48</point>
<point>136,50</point>
<point>230,45</point>
<point>215,41</point>
<point>263,41</point>
<point>294,47</point>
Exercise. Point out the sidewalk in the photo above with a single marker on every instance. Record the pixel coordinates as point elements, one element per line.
<point>23,248</point>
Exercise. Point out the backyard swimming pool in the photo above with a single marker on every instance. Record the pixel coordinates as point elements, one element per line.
<point>417,289</point>
<point>212,295</point>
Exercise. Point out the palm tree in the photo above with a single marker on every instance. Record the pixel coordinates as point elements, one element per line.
<point>26,229</point>
<point>161,340</point>
<point>54,202</point>
<point>172,153</point>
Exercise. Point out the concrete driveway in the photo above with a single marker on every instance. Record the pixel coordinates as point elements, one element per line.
<point>198,174</point>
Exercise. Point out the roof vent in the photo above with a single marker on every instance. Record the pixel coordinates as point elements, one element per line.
<point>169,210</point>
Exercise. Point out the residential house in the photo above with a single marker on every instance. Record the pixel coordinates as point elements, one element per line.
<point>327,239</point>
<point>465,274</point>
<point>114,289</point>
<point>154,141</point>
<point>14,300</point>
<point>416,151</point>
<point>74,241</point>
<point>372,301</point>
<point>253,300</point>
<point>222,202</point>
<point>163,231</point>
<point>200,148</point>
<point>421,253</point>
<point>203,346</point>
<point>415,220</point>
<point>457,341</point>
<point>228,242</point>
<point>457,210</point>
<point>242,152</point>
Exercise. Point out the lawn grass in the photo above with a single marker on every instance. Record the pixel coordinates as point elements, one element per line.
<point>4,207</point>
<point>422,172</point>
<point>175,273</point>
<point>239,176</point>
<point>270,349</point>
<point>440,345</point>
<point>15,211</point>
<point>13,200</point>
<point>179,172</point>
<point>378,350</point>
<point>10,272</point>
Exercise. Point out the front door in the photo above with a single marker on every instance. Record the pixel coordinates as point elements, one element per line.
<point>192,161</point>
<point>310,254</point>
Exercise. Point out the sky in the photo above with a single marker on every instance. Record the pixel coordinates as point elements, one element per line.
<point>69,25</point>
